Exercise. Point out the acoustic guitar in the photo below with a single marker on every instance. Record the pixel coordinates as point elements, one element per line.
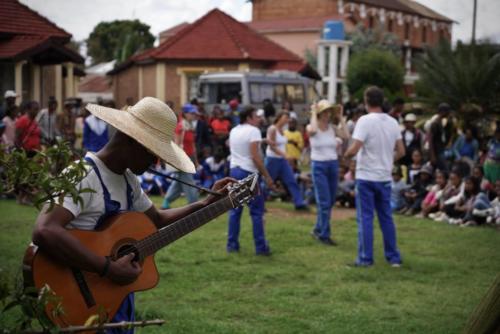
<point>81,294</point>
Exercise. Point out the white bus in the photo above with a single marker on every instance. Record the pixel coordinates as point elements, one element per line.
<point>254,87</point>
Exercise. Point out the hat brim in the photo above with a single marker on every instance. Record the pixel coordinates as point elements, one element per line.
<point>146,135</point>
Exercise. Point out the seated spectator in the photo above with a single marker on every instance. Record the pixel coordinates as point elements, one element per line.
<point>398,186</point>
<point>491,214</point>
<point>415,167</point>
<point>155,184</point>
<point>452,193</point>
<point>492,162</point>
<point>213,169</point>
<point>433,197</point>
<point>462,212</point>
<point>478,172</point>
<point>346,189</point>
<point>350,175</point>
<point>418,190</point>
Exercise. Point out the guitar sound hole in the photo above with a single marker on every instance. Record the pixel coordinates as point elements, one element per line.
<point>127,249</point>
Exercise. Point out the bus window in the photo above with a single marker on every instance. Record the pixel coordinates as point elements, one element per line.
<point>279,94</point>
<point>216,92</point>
<point>295,93</point>
<point>260,91</point>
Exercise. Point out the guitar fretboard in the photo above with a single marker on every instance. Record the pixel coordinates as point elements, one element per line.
<point>180,228</point>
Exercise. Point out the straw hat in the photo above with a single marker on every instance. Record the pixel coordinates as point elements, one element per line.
<point>151,123</point>
<point>324,105</point>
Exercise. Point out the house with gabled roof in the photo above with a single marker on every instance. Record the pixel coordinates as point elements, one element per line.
<point>34,58</point>
<point>215,42</point>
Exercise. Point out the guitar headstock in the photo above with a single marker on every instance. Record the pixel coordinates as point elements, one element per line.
<point>244,190</point>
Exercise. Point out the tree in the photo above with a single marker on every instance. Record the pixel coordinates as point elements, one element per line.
<point>468,78</point>
<point>375,67</point>
<point>364,39</point>
<point>118,40</point>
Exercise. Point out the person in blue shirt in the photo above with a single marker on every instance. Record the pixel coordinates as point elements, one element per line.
<point>213,168</point>
<point>466,146</point>
<point>95,134</point>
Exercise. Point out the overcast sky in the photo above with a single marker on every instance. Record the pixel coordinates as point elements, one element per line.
<point>80,17</point>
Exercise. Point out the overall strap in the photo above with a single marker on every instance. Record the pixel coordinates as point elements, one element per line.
<point>107,196</point>
<point>111,207</point>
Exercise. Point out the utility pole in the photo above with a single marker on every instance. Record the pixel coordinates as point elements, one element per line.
<point>474,23</point>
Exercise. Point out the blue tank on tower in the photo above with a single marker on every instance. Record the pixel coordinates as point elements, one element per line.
<point>333,30</point>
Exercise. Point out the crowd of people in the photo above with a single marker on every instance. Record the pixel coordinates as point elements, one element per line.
<point>448,172</point>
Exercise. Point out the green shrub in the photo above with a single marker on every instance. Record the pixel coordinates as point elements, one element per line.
<point>375,67</point>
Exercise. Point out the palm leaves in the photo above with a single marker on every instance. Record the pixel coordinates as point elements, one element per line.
<point>468,78</point>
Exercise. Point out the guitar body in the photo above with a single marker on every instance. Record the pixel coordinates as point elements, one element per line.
<point>103,297</point>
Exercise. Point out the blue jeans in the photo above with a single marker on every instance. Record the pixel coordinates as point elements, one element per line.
<point>370,196</point>
<point>482,202</point>
<point>256,206</point>
<point>176,188</point>
<point>325,176</point>
<point>280,168</point>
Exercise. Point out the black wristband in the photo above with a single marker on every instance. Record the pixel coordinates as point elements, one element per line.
<point>105,270</point>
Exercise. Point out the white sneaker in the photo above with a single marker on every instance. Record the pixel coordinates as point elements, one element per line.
<point>442,218</point>
<point>396,265</point>
<point>482,213</point>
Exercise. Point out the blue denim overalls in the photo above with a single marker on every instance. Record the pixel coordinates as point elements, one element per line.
<point>111,207</point>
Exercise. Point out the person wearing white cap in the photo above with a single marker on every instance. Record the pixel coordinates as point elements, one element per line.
<point>412,138</point>
<point>144,134</point>
<point>10,103</point>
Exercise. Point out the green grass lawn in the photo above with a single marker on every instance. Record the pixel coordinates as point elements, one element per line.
<point>304,287</point>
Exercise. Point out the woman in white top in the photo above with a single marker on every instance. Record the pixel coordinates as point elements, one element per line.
<point>324,163</point>
<point>9,135</point>
<point>276,163</point>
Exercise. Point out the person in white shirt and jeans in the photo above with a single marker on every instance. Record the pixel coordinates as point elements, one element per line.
<point>244,141</point>
<point>377,143</point>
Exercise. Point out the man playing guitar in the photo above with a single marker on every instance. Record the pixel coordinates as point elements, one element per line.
<point>144,134</point>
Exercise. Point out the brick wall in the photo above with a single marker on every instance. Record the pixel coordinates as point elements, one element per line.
<point>125,84</point>
<point>149,80</point>
<point>282,9</point>
<point>278,9</point>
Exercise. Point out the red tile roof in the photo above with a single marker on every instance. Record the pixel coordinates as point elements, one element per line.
<point>25,46</point>
<point>219,36</point>
<point>95,84</point>
<point>172,31</point>
<point>19,44</point>
<point>16,18</point>
<point>25,33</point>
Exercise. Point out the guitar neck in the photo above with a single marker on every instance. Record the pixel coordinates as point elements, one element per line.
<point>180,228</point>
